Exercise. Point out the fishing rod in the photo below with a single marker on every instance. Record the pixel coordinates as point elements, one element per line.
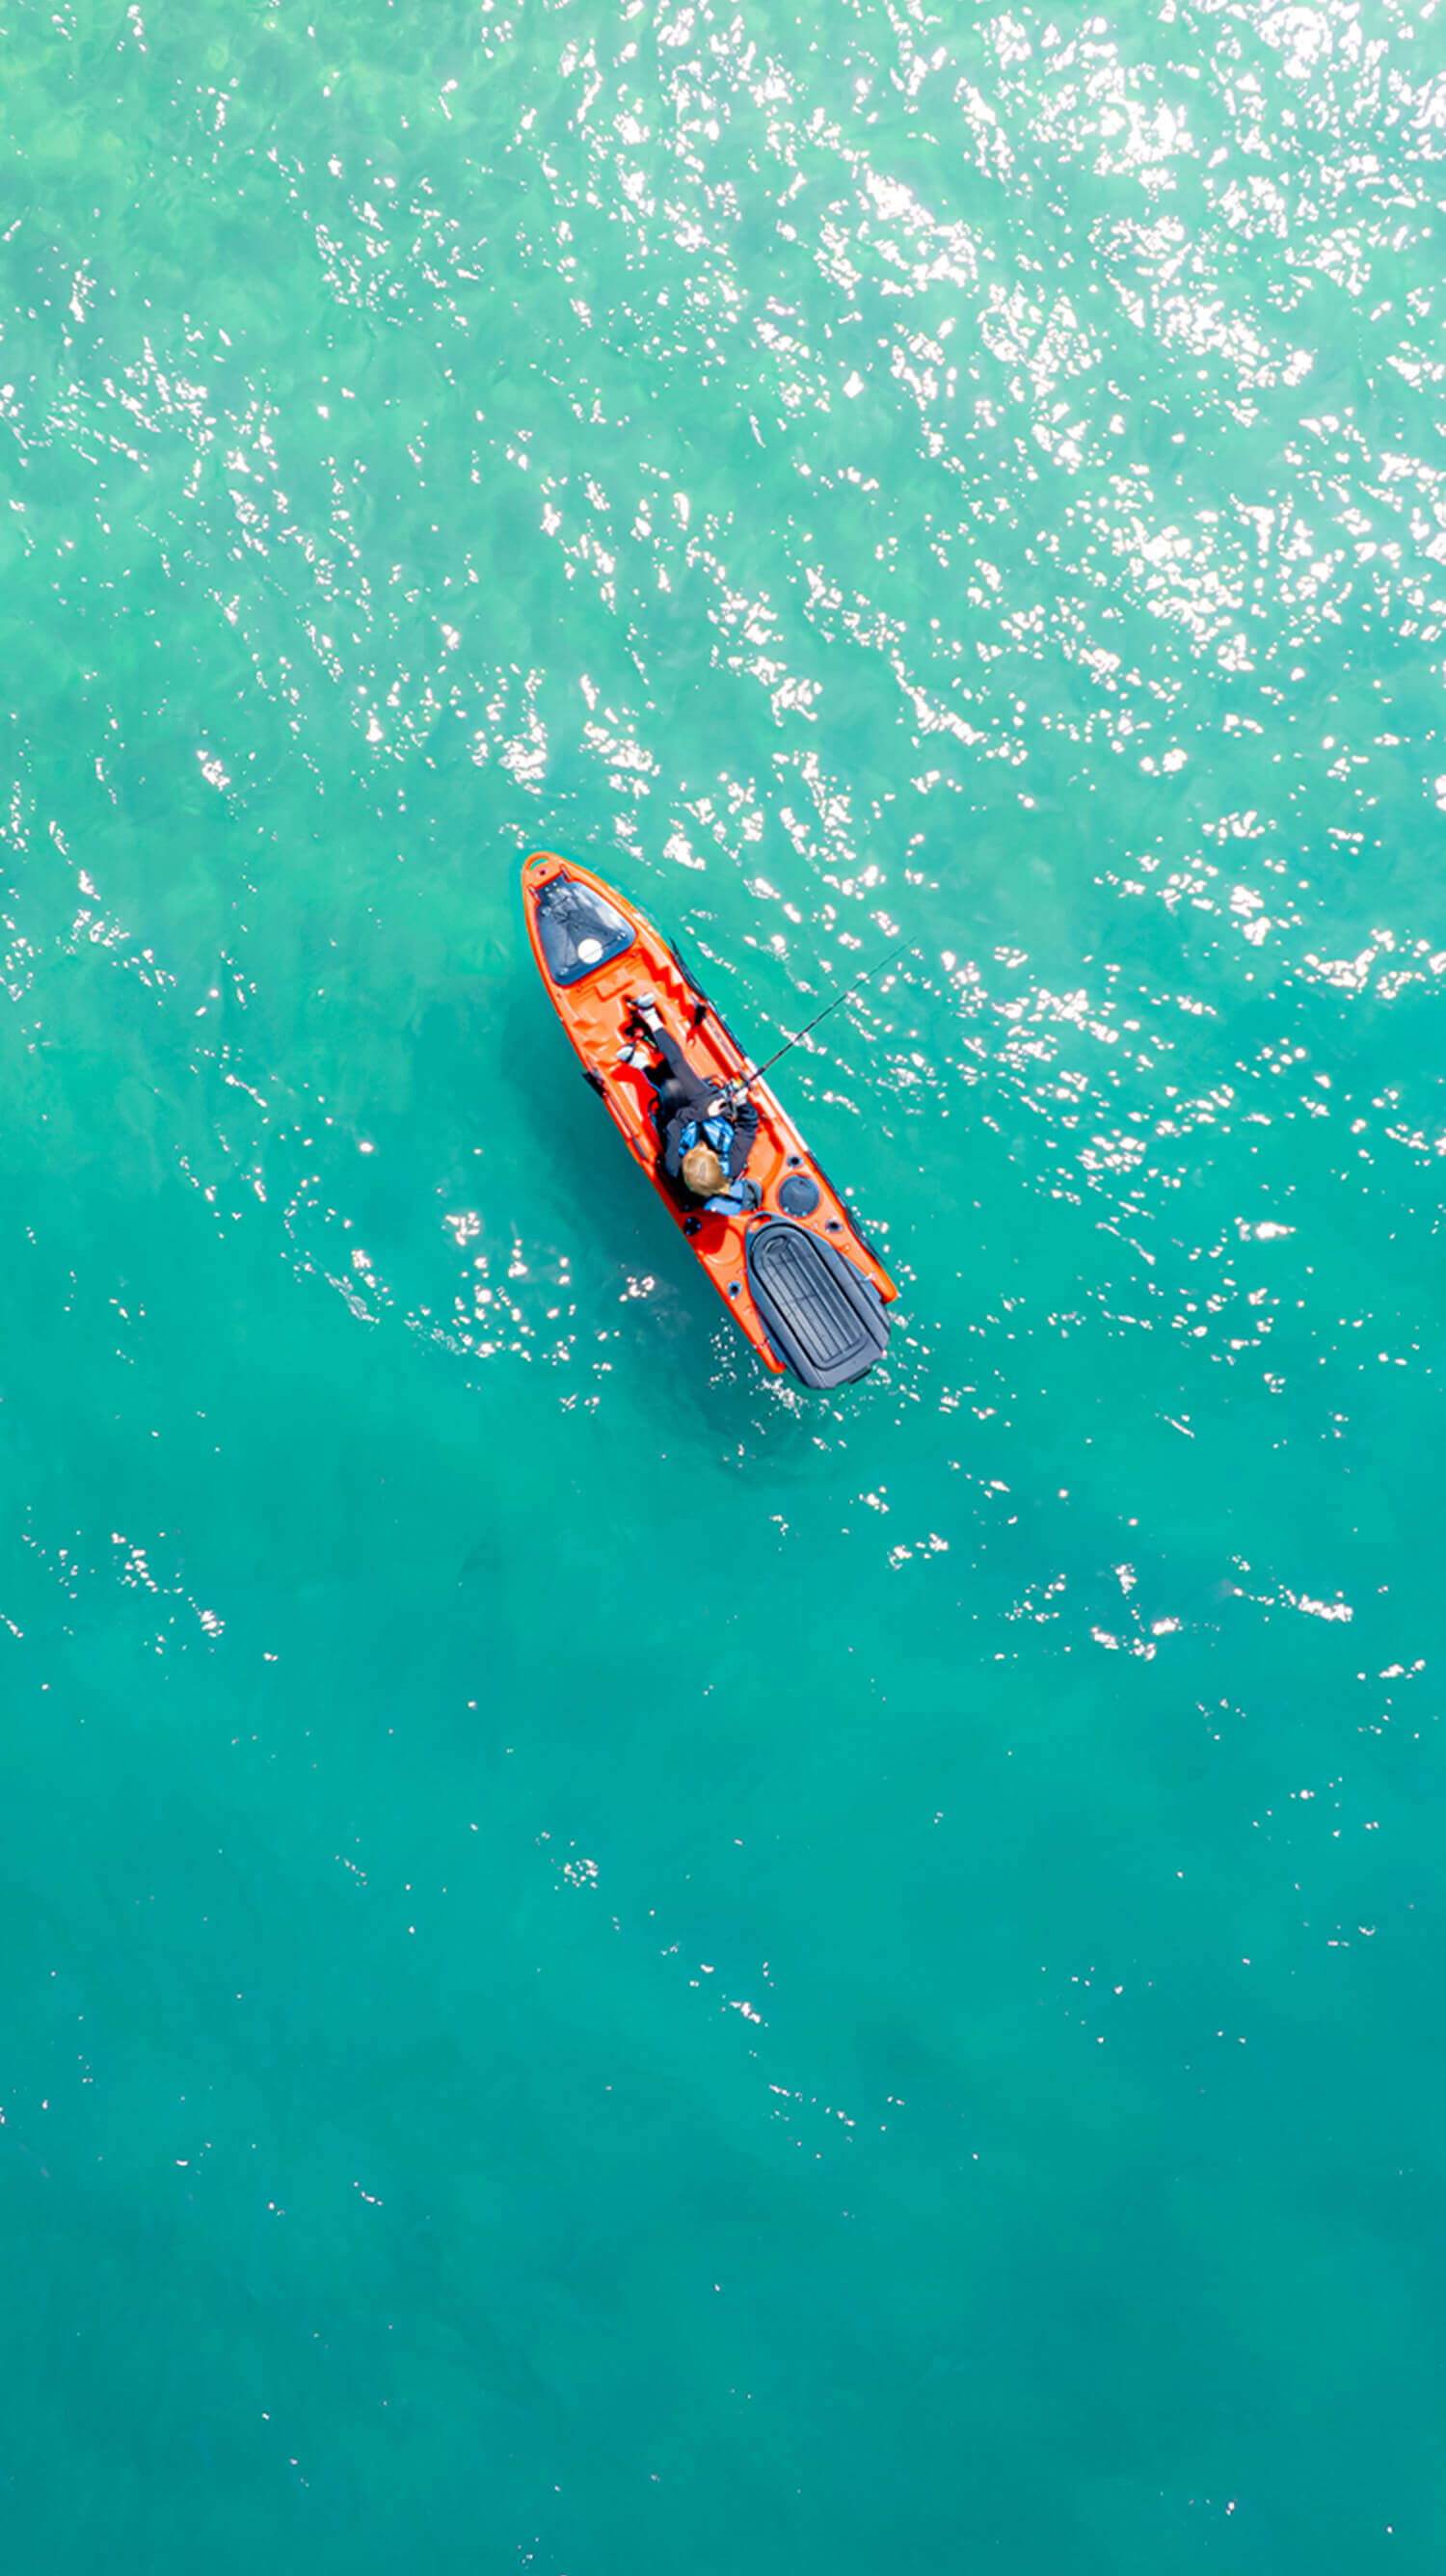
<point>876,969</point>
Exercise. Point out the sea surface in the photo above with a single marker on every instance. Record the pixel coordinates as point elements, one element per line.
<point>610,1968</point>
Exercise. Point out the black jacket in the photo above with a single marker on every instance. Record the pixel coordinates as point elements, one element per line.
<point>686,1098</point>
<point>743,1121</point>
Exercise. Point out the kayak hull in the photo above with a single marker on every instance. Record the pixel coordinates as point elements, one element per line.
<point>795,1273</point>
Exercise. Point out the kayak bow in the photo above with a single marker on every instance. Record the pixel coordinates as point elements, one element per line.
<point>794,1271</point>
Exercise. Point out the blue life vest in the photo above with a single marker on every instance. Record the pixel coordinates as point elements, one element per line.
<point>738,1199</point>
<point>717,1132</point>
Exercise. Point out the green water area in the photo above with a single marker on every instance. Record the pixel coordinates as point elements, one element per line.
<point>613,1967</point>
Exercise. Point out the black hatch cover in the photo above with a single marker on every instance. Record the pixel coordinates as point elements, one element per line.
<point>822,1316</point>
<point>579,930</point>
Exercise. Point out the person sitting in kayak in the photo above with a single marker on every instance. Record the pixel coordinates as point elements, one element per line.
<point>707,1128</point>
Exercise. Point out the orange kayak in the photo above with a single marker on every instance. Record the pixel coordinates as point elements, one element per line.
<point>794,1272</point>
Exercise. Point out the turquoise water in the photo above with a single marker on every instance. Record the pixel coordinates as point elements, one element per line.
<point>610,1967</point>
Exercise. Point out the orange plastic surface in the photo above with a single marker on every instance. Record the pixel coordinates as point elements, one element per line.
<point>595,1014</point>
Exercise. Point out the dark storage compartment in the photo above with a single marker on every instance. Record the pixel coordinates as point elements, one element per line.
<point>578,929</point>
<point>822,1316</point>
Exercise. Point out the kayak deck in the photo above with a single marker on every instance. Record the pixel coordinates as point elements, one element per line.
<point>795,1272</point>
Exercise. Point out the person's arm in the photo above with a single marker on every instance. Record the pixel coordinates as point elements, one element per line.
<point>745,1128</point>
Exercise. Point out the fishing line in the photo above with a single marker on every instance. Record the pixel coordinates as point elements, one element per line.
<point>876,969</point>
